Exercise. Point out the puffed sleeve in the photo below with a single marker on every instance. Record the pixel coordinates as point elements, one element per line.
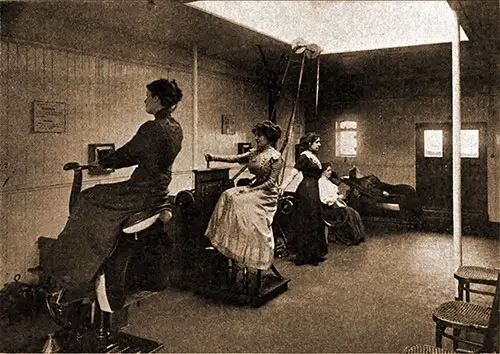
<point>130,153</point>
<point>276,164</point>
<point>301,162</point>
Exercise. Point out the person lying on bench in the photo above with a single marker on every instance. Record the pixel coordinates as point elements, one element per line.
<point>369,193</point>
<point>332,207</point>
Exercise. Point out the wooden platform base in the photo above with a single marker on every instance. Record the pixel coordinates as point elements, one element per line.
<point>272,286</point>
<point>89,342</point>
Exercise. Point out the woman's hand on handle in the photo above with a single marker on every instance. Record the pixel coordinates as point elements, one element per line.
<point>208,158</point>
<point>76,166</point>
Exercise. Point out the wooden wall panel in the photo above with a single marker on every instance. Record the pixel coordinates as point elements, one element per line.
<point>105,104</point>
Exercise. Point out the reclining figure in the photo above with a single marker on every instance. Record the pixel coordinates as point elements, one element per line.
<point>370,196</point>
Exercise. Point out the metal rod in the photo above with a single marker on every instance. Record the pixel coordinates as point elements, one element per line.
<point>456,131</point>
<point>281,86</point>
<point>317,91</point>
<point>292,117</point>
<point>194,151</point>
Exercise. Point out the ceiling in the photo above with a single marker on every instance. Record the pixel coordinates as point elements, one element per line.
<point>172,23</point>
<point>342,26</point>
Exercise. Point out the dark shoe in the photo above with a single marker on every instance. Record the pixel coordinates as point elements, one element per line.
<point>299,262</point>
<point>315,263</point>
<point>321,259</point>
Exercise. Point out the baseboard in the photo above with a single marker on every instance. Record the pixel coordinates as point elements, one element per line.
<point>472,224</point>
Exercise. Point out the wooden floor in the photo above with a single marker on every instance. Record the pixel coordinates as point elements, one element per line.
<point>376,298</point>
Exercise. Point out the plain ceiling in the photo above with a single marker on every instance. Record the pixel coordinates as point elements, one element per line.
<point>173,23</point>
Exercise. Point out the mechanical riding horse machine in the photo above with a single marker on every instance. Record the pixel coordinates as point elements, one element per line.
<point>200,267</point>
<point>91,323</point>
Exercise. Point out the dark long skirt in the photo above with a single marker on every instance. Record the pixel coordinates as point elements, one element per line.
<point>92,231</point>
<point>308,226</point>
<point>347,225</point>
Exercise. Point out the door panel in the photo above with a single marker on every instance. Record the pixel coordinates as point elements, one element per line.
<point>474,175</point>
<point>434,171</point>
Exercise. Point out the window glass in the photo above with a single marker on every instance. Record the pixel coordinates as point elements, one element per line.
<point>346,143</point>
<point>433,143</point>
<point>469,143</point>
<point>346,138</point>
<point>348,125</point>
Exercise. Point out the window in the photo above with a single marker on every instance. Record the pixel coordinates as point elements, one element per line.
<point>346,138</point>
<point>433,143</point>
<point>469,143</point>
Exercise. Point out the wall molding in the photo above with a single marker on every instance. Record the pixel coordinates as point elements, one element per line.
<point>360,163</point>
<point>84,184</point>
<point>171,66</point>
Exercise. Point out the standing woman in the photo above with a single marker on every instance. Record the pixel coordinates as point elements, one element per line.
<point>307,227</point>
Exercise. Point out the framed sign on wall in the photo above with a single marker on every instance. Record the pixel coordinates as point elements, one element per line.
<point>228,124</point>
<point>244,147</point>
<point>49,117</point>
<point>98,152</point>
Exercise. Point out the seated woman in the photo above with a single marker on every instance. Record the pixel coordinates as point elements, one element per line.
<point>94,226</point>
<point>241,224</point>
<point>332,204</point>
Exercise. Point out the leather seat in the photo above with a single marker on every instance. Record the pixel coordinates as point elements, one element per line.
<point>145,218</point>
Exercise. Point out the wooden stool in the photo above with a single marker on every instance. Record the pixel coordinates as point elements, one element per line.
<point>467,275</point>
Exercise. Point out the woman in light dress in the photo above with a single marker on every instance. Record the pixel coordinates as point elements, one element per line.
<point>334,208</point>
<point>241,223</point>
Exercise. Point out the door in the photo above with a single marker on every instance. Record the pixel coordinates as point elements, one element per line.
<point>434,167</point>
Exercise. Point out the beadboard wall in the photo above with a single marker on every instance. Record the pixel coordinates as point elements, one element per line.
<point>104,99</point>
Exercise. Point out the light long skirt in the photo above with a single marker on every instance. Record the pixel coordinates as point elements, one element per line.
<point>241,226</point>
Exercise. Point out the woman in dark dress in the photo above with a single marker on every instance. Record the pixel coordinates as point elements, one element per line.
<point>307,228</point>
<point>93,227</point>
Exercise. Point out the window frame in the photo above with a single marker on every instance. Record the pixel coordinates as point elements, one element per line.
<point>338,137</point>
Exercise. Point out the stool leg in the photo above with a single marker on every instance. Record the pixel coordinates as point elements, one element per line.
<point>456,334</point>
<point>461,289</point>
<point>467,291</point>
<point>439,335</point>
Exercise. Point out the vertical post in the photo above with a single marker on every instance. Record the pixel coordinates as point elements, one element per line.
<point>317,90</point>
<point>194,152</point>
<point>456,129</point>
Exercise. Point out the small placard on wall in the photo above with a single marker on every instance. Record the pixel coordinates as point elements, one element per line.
<point>228,124</point>
<point>49,117</point>
<point>244,148</point>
